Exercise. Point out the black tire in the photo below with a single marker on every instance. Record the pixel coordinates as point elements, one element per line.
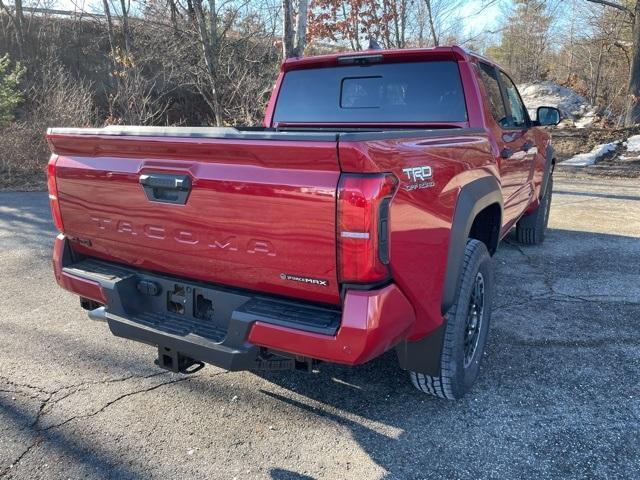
<point>530,229</point>
<point>459,361</point>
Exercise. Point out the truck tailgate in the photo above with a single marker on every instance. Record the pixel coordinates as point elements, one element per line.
<point>242,211</point>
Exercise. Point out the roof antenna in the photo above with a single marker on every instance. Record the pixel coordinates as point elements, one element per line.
<point>373,45</point>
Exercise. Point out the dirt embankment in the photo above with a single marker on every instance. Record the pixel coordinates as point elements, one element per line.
<point>568,142</point>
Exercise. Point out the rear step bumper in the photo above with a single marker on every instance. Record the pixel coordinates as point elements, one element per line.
<point>227,328</point>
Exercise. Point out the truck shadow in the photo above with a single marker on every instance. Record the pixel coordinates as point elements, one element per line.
<point>543,363</point>
<point>375,404</point>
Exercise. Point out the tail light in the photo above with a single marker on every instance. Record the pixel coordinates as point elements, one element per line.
<point>363,226</point>
<point>56,214</point>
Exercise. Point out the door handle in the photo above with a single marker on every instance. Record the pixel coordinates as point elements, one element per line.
<point>506,152</point>
<point>165,187</point>
<point>163,180</point>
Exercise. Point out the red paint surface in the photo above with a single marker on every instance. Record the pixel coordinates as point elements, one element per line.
<point>421,219</point>
<point>283,194</point>
<point>84,288</point>
<point>256,209</point>
<point>372,323</point>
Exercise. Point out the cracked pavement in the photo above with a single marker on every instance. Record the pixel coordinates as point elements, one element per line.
<point>558,395</point>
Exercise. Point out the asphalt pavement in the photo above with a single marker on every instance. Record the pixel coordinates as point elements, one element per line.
<point>558,395</point>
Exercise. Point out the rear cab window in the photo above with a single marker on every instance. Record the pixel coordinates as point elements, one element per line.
<point>421,92</point>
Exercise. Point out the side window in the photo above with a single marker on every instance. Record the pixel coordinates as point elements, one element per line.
<point>491,85</point>
<point>519,118</point>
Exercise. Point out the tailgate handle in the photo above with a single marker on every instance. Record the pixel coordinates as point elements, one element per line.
<point>166,187</point>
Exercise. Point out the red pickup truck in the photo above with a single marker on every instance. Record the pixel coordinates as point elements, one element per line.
<point>362,217</point>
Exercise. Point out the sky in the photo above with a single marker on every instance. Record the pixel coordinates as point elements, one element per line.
<point>487,19</point>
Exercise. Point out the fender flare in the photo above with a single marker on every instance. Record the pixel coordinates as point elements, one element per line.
<point>423,356</point>
<point>473,198</point>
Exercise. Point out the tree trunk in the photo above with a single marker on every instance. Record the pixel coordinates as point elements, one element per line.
<point>213,49</point>
<point>114,78</point>
<point>396,24</point>
<point>301,28</point>
<point>402,43</point>
<point>213,31</point>
<point>207,34</point>
<point>596,83</point>
<point>633,109</point>
<point>16,19</point>
<point>432,27</point>
<point>19,25</point>
<point>173,9</point>
<point>112,41</point>
<point>125,26</point>
<point>191,12</point>
<point>287,30</point>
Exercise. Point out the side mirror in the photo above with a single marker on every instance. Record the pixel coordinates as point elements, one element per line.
<point>547,116</point>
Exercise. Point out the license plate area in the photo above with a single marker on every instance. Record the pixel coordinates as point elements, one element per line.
<point>186,300</point>
<point>179,307</point>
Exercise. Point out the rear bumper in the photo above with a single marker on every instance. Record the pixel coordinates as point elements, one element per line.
<point>370,322</point>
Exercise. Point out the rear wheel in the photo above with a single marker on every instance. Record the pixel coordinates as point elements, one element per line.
<point>530,229</point>
<point>466,329</point>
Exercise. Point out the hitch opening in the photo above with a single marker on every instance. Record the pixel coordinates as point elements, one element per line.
<point>174,361</point>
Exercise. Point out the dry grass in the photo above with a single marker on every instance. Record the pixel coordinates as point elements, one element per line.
<point>61,101</point>
<point>24,157</point>
<point>23,181</point>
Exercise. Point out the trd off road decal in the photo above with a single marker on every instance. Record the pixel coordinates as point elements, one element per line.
<point>297,278</point>
<point>419,177</point>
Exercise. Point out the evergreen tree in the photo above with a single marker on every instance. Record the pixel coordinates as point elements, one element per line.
<point>10,96</point>
<point>525,41</point>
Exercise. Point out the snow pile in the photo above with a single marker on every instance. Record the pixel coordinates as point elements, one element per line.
<point>549,94</point>
<point>632,148</point>
<point>586,159</point>
<point>633,143</point>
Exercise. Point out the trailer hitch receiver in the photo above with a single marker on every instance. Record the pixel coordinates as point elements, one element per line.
<point>174,361</point>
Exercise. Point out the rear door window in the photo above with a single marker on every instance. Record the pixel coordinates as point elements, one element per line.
<point>373,93</point>
<point>519,117</point>
<point>489,79</point>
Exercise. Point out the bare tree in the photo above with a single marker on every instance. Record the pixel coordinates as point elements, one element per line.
<point>112,40</point>
<point>134,101</point>
<point>126,34</point>
<point>287,29</point>
<point>301,27</point>
<point>173,10</point>
<point>432,27</point>
<point>633,88</point>
<point>207,23</point>
<point>294,37</point>
<point>442,17</point>
<point>16,16</point>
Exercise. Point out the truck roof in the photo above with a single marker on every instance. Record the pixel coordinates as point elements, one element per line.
<point>453,52</point>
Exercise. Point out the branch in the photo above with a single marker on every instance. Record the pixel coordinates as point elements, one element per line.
<point>480,34</point>
<point>624,49</point>
<point>7,10</point>
<point>613,5</point>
